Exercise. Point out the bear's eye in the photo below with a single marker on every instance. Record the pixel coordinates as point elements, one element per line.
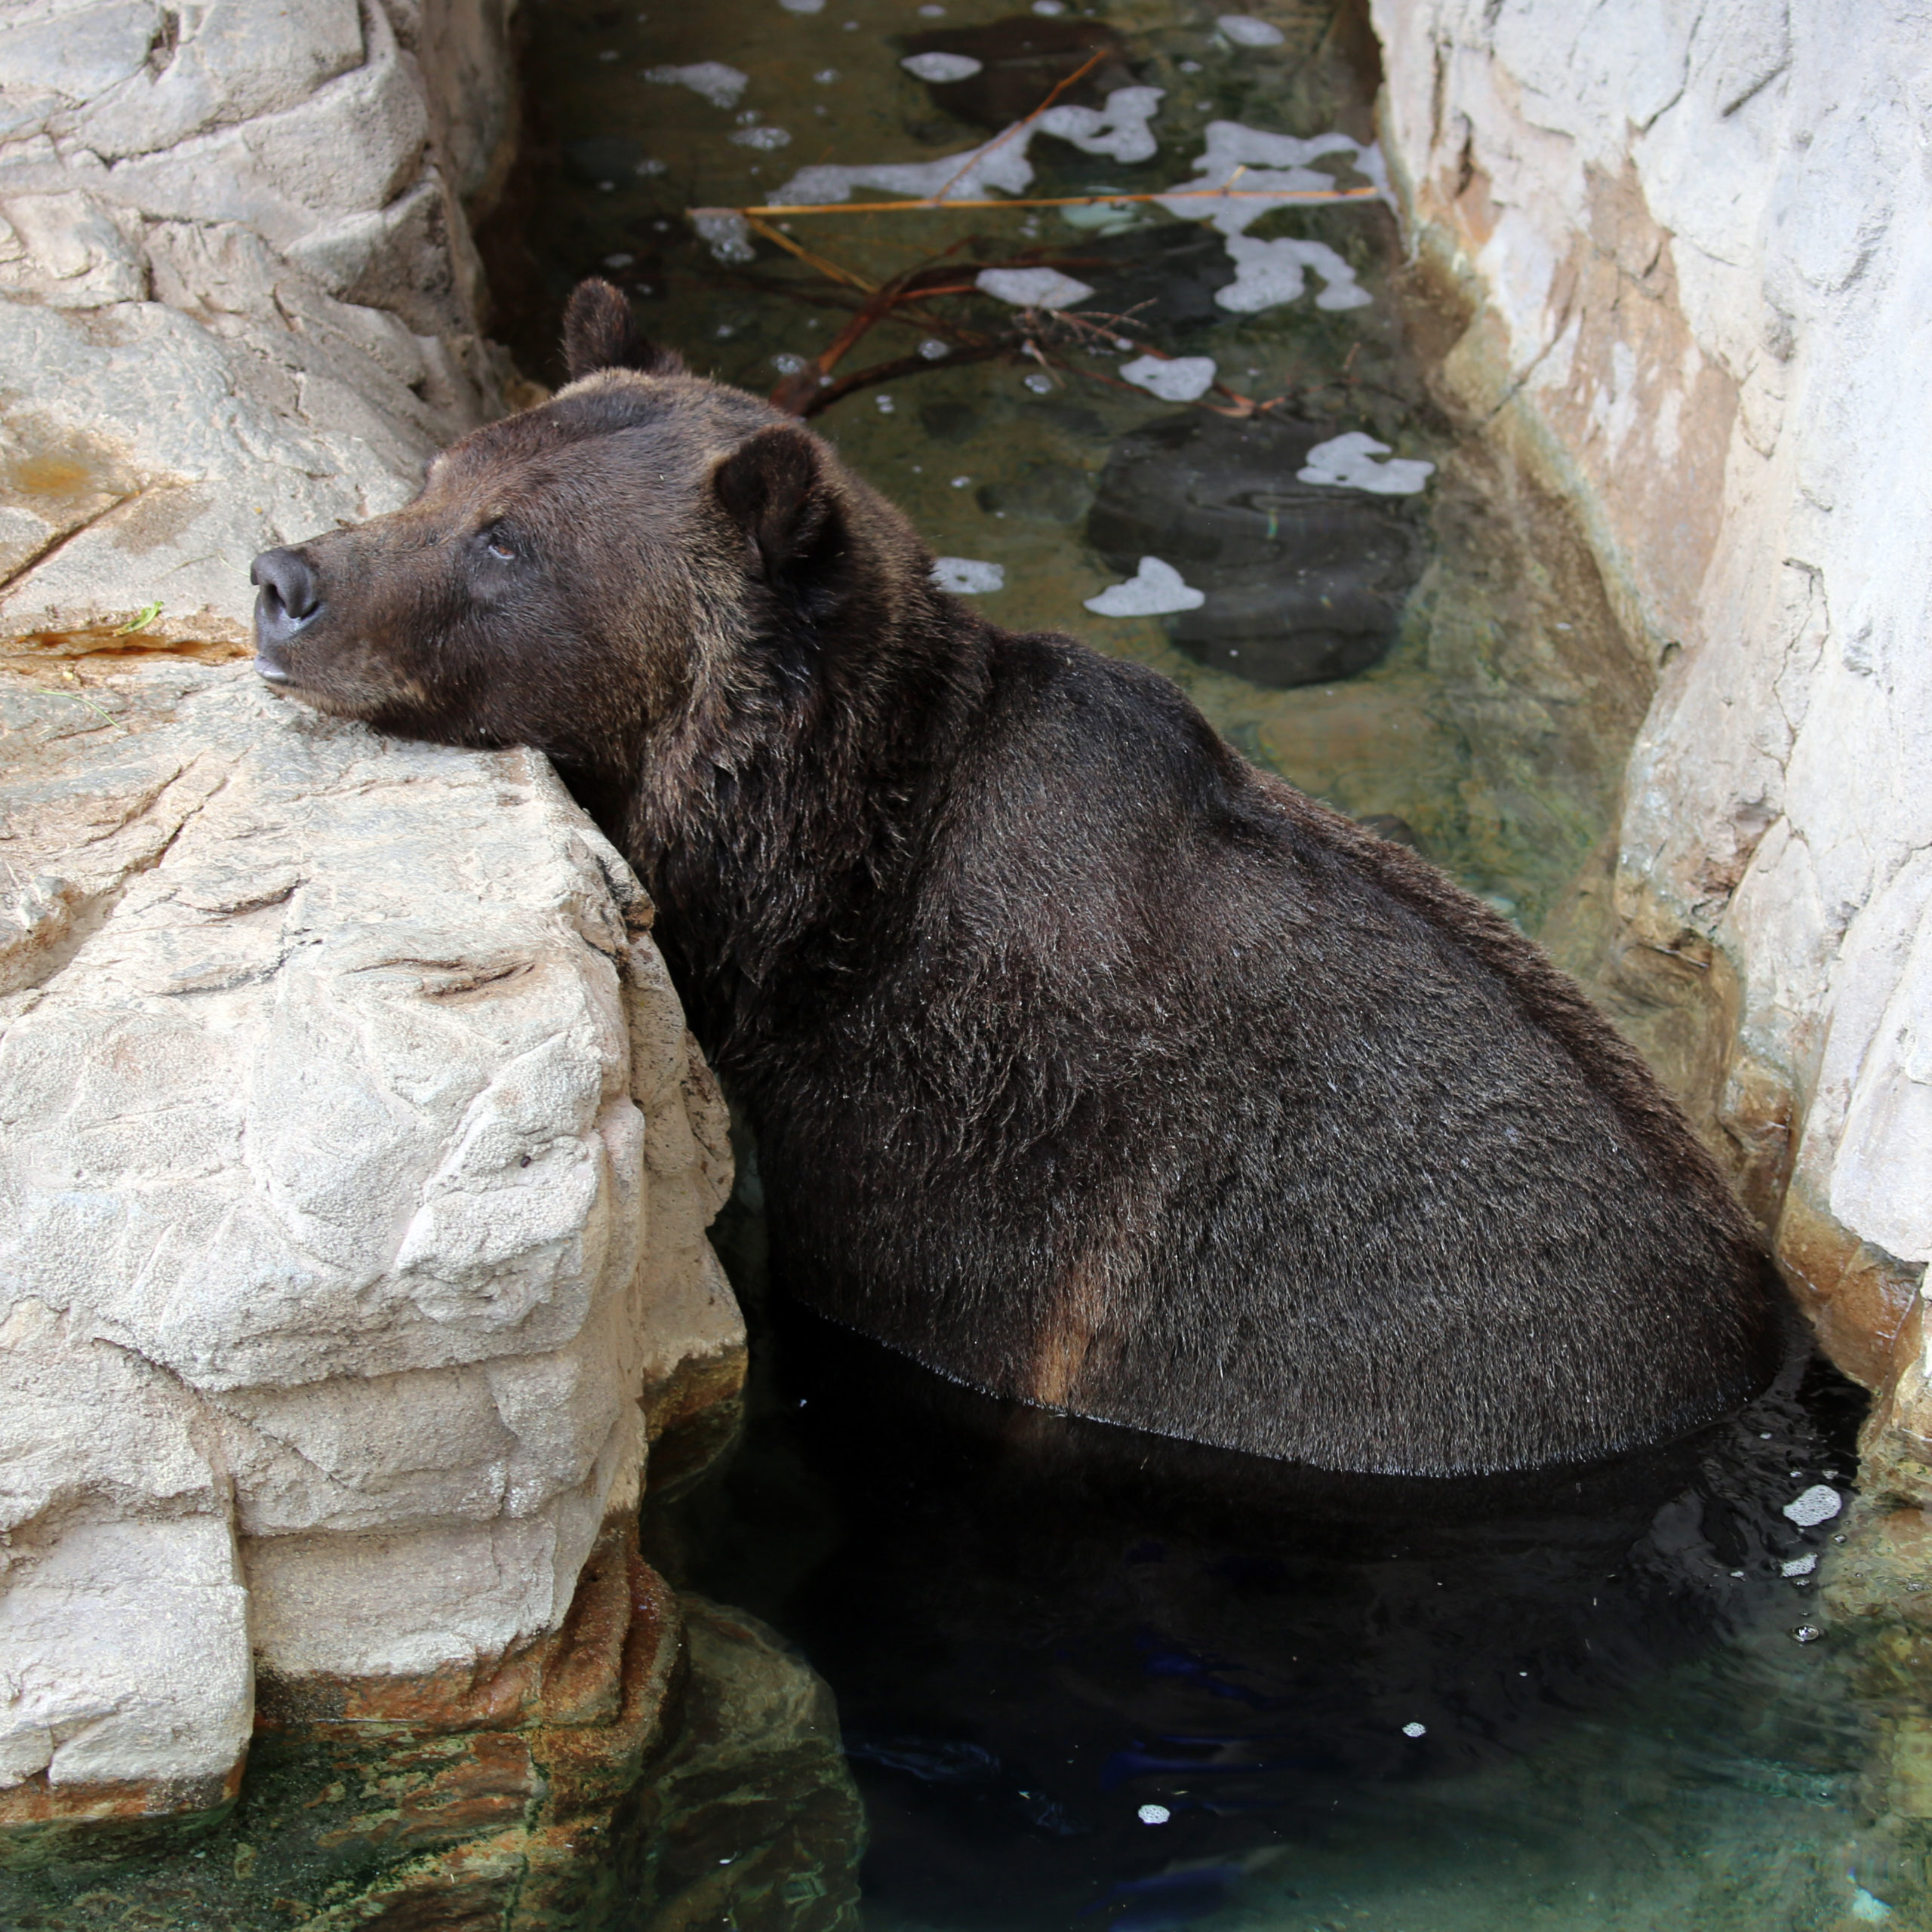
<point>499,545</point>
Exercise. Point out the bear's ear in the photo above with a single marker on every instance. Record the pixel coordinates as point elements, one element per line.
<point>776,490</point>
<point>599,333</point>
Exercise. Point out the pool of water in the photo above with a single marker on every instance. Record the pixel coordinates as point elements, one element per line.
<point>1495,726</point>
<point>1086,1677</point>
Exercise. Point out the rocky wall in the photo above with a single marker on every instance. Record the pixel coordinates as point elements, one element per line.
<point>238,299</point>
<point>355,1160</point>
<point>1690,240</point>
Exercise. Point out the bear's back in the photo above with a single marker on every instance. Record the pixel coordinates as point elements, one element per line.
<point>1188,1104</point>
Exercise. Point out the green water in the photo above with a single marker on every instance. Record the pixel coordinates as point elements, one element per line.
<point>1497,728</point>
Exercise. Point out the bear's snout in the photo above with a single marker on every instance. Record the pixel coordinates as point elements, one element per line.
<point>289,600</point>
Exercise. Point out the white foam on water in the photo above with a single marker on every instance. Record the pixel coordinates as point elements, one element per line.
<point>1148,1814</point>
<point>940,68</point>
<point>1245,30</point>
<point>968,576</point>
<point>728,236</point>
<point>719,85</point>
<point>1119,129</point>
<point>1799,1566</point>
<point>1179,378</point>
<point>803,6</point>
<point>1268,273</point>
<point>764,138</point>
<point>1819,1504</point>
<point>1033,288</point>
<point>1353,462</point>
<point>1867,1908</point>
<point>1412,1729</point>
<point>1155,590</point>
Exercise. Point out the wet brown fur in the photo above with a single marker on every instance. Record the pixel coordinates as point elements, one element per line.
<point>1088,1063</point>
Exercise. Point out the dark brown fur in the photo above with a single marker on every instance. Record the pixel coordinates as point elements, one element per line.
<point>1088,1063</point>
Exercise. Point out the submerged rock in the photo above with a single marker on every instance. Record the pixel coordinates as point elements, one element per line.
<point>1048,493</point>
<point>1304,582</point>
<point>1161,281</point>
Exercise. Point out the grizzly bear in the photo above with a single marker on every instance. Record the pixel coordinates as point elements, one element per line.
<point>1088,1064</point>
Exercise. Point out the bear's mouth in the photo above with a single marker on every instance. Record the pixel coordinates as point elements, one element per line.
<point>271,670</point>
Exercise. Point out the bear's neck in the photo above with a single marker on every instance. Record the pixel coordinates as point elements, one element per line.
<point>780,825</point>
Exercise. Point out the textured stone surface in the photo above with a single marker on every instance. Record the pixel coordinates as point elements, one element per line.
<point>123,1621</point>
<point>1695,244</point>
<point>358,1164</point>
<point>238,295</point>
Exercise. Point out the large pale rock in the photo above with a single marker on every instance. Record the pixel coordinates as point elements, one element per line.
<point>351,1131</point>
<point>123,1632</point>
<point>238,294</point>
<point>1696,242</point>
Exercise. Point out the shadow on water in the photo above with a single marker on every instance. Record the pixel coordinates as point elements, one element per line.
<point>1036,1627</point>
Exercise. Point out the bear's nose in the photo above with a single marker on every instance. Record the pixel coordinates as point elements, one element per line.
<point>289,597</point>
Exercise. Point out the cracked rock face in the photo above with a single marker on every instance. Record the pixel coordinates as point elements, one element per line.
<point>1694,237</point>
<point>238,295</point>
<point>357,1164</point>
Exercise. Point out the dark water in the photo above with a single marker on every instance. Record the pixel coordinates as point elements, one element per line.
<point>1036,1626</point>
<point>1087,1679</point>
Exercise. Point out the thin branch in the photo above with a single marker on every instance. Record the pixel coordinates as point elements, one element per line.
<point>1079,73</point>
<point>892,372</point>
<point>830,270</point>
<point>1307,197</point>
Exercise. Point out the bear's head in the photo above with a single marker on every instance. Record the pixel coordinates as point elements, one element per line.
<point>574,577</point>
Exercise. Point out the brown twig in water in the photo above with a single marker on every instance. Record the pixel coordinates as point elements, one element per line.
<point>832,271</point>
<point>892,371</point>
<point>1311,197</point>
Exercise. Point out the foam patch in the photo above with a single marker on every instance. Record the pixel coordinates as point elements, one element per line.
<point>1268,273</point>
<point>1033,288</point>
<point>1153,590</point>
<point>940,68</point>
<point>1119,129</point>
<point>719,85</point>
<point>1352,462</point>
<point>968,576</point>
<point>1179,379</point>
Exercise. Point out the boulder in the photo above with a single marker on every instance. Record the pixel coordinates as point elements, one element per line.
<point>240,297</point>
<point>358,1163</point>
<point>357,1160</point>
<point>1305,582</point>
